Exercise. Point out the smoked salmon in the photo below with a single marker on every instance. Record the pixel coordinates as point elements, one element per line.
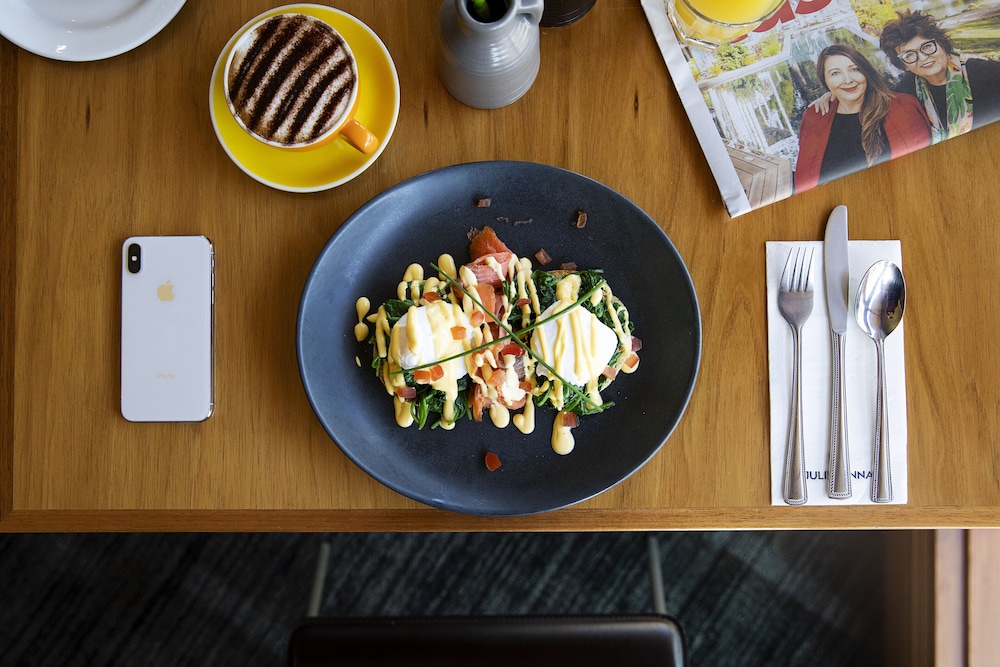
<point>484,242</point>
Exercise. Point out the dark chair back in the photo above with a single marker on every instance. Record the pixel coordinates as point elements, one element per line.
<point>557,641</point>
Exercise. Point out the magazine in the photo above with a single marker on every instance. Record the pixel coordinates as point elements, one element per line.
<point>896,77</point>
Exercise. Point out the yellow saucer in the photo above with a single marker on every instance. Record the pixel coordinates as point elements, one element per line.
<point>336,162</point>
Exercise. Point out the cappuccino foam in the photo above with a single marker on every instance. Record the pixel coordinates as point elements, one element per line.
<point>292,80</point>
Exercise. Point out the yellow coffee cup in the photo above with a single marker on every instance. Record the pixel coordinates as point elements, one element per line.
<point>291,81</point>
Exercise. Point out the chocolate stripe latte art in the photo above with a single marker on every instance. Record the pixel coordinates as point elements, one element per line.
<point>292,79</point>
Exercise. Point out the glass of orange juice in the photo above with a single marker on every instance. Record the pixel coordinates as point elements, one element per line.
<point>710,23</point>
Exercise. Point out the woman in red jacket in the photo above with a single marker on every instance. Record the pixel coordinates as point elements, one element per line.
<point>869,123</point>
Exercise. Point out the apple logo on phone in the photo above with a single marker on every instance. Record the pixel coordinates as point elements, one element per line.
<point>165,292</point>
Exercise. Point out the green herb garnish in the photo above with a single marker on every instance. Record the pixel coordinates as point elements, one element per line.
<point>481,9</point>
<point>593,407</point>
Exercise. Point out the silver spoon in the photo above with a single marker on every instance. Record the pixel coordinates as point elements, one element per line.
<point>879,310</point>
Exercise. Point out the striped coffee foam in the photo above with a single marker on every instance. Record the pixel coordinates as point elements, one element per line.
<point>292,79</point>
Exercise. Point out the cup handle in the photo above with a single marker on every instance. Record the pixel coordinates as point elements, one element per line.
<point>359,136</point>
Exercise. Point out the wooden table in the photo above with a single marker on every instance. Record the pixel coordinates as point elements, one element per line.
<point>94,152</point>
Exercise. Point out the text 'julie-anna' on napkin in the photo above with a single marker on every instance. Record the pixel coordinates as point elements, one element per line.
<point>860,370</point>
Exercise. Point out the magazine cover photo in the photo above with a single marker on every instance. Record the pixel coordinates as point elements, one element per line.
<point>825,88</point>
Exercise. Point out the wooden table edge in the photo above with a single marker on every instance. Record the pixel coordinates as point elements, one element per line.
<point>431,520</point>
<point>8,265</point>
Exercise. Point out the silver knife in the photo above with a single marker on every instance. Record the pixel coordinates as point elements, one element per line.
<point>837,267</point>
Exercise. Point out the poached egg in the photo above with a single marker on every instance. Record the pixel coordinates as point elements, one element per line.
<point>427,334</point>
<point>577,345</point>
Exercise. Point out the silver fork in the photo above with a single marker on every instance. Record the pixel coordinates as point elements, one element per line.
<point>795,301</point>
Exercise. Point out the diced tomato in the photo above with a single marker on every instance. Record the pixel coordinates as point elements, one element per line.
<point>477,318</point>
<point>609,372</point>
<point>458,333</point>
<point>485,271</point>
<point>427,375</point>
<point>486,242</point>
<point>511,348</point>
<point>492,461</point>
<point>430,297</point>
<point>632,360</point>
<point>543,257</point>
<point>406,393</point>
<point>570,420</point>
<point>478,401</point>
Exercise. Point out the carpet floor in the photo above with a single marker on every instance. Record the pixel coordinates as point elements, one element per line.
<point>742,598</point>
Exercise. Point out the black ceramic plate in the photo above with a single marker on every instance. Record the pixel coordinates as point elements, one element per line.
<point>533,206</point>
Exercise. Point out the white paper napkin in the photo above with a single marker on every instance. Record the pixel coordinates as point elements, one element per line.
<point>860,370</point>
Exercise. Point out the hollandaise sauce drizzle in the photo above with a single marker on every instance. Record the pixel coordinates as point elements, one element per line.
<point>363,305</point>
<point>456,338</point>
<point>555,316</point>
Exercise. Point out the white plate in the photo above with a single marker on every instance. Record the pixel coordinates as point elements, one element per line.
<point>81,31</point>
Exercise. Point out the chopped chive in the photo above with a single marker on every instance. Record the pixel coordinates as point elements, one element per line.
<point>524,345</point>
<point>510,336</point>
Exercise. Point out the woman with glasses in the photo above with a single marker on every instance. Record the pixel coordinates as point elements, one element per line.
<point>867,122</point>
<point>958,94</point>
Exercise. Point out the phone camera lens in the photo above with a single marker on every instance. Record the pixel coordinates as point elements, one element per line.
<point>134,258</point>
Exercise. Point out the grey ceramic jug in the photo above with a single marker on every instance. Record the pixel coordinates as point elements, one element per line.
<point>488,64</point>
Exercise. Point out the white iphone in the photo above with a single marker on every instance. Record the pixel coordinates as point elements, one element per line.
<point>167,329</point>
